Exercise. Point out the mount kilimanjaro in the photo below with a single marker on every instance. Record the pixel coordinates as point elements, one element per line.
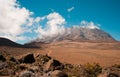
<point>77,33</point>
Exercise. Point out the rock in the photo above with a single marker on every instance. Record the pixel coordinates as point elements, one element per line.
<point>53,65</point>
<point>55,73</point>
<point>26,74</point>
<point>14,60</point>
<point>29,58</point>
<point>113,75</point>
<point>21,67</point>
<point>58,73</point>
<point>110,72</point>
<point>43,58</point>
<point>2,58</point>
<point>6,72</point>
<point>35,68</point>
<point>3,65</point>
<point>102,75</point>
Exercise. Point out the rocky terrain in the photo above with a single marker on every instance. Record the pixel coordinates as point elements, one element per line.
<point>30,65</point>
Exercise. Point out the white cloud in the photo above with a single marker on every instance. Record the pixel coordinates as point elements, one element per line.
<point>14,19</point>
<point>90,25</point>
<point>54,25</point>
<point>12,37</point>
<point>37,19</point>
<point>70,9</point>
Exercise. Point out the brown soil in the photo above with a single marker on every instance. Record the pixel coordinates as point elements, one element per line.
<point>106,54</point>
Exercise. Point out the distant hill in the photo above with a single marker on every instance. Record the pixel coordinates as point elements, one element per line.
<point>7,42</point>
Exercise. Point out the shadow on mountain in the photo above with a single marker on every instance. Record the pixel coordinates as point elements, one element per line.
<point>7,42</point>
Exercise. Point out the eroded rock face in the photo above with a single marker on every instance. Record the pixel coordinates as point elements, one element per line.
<point>29,58</point>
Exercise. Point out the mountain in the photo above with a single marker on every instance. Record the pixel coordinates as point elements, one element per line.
<point>77,33</point>
<point>7,42</point>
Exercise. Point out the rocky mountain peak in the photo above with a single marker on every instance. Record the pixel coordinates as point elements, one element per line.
<point>78,33</point>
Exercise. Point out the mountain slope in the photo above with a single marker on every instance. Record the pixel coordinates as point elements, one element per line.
<point>77,33</point>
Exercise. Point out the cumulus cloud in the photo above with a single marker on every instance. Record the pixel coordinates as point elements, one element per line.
<point>90,25</point>
<point>14,19</point>
<point>70,9</point>
<point>54,25</point>
<point>55,30</point>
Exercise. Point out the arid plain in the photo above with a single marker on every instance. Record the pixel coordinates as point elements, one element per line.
<point>106,54</point>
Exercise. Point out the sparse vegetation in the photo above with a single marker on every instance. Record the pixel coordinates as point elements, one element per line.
<point>116,65</point>
<point>20,67</point>
<point>73,70</point>
<point>92,70</point>
<point>87,70</point>
<point>43,58</point>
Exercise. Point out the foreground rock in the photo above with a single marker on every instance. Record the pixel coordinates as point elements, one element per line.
<point>110,72</point>
<point>46,66</point>
<point>29,58</point>
<point>2,58</point>
<point>58,73</point>
<point>26,74</point>
<point>53,65</point>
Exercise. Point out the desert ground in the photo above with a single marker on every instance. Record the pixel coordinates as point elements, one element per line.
<point>106,54</point>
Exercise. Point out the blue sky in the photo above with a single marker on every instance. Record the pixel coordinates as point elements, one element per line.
<point>49,16</point>
<point>104,12</point>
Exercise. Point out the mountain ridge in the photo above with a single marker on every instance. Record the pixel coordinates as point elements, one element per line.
<point>78,34</point>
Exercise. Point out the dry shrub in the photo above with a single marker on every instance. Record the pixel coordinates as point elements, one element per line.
<point>116,65</point>
<point>92,70</point>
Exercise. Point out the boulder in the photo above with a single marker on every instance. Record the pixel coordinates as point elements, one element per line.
<point>53,65</point>
<point>29,58</point>
<point>7,72</point>
<point>14,60</point>
<point>58,73</point>
<point>2,58</point>
<point>26,74</point>
<point>3,65</point>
